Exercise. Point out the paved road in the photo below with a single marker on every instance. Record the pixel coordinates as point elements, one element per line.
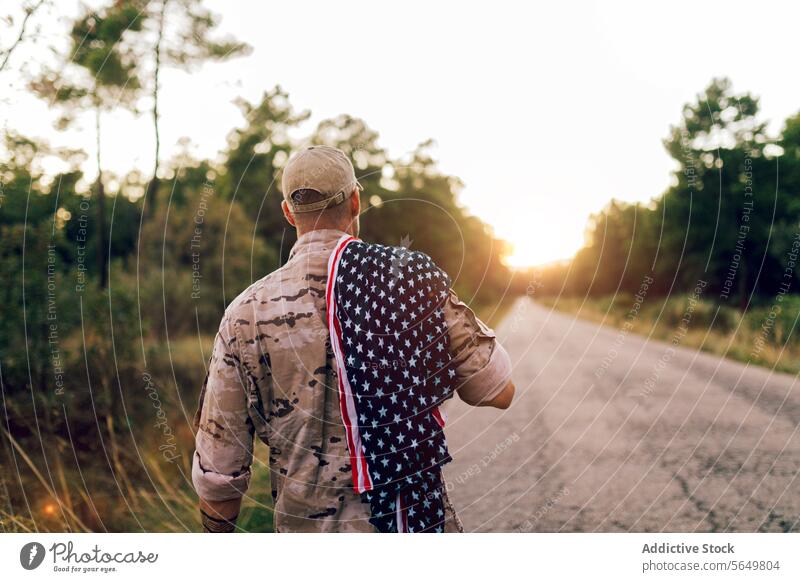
<point>617,433</point>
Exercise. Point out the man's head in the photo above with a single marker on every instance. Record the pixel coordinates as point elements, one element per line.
<point>320,190</point>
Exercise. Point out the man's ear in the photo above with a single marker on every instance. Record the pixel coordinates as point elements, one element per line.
<point>355,203</point>
<point>287,213</point>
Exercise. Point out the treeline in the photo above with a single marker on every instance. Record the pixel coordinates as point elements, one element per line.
<point>730,219</point>
<point>114,285</point>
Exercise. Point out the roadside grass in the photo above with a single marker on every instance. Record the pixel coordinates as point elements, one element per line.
<point>765,335</point>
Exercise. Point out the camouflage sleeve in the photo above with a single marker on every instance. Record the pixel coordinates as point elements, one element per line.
<point>224,436</point>
<point>482,366</point>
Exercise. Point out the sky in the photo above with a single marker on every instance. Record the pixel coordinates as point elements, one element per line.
<point>545,112</point>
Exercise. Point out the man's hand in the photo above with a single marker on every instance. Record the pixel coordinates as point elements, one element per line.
<point>219,516</point>
<point>502,400</point>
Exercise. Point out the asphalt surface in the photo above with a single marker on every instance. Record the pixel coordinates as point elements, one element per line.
<point>613,432</point>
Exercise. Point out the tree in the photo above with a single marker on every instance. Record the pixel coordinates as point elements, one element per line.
<point>99,73</point>
<point>28,11</point>
<point>716,222</point>
<point>718,215</point>
<point>198,253</point>
<point>254,158</point>
<point>181,31</point>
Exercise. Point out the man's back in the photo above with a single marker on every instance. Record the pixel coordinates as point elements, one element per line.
<point>273,374</point>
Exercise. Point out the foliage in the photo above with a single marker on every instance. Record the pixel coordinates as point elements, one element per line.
<point>728,219</point>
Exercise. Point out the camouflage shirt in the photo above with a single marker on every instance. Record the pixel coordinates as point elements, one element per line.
<point>272,375</point>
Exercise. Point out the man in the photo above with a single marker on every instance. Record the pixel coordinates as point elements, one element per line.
<point>273,372</point>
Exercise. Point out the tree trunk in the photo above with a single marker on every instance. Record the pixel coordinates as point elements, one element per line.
<point>101,211</point>
<point>152,188</point>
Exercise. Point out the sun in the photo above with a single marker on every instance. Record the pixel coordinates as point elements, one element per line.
<point>537,243</point>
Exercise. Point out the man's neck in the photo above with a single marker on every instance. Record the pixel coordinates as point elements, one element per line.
<point>349,229</point>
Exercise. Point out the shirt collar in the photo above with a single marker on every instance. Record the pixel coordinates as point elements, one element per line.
<point>316,241</point>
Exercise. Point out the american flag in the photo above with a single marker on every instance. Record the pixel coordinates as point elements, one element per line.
<point>392,351</point>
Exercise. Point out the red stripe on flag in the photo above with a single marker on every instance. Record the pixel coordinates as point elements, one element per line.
<point>437,414</point>
<point>360,471</point>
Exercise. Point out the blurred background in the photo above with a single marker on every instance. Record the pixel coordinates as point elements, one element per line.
<point>564,155</point>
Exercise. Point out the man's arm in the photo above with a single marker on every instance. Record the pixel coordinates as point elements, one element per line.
<point>482,366</point>
<point>223,443</point>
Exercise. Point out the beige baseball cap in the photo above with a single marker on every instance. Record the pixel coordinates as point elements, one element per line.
<point>321,168</point>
